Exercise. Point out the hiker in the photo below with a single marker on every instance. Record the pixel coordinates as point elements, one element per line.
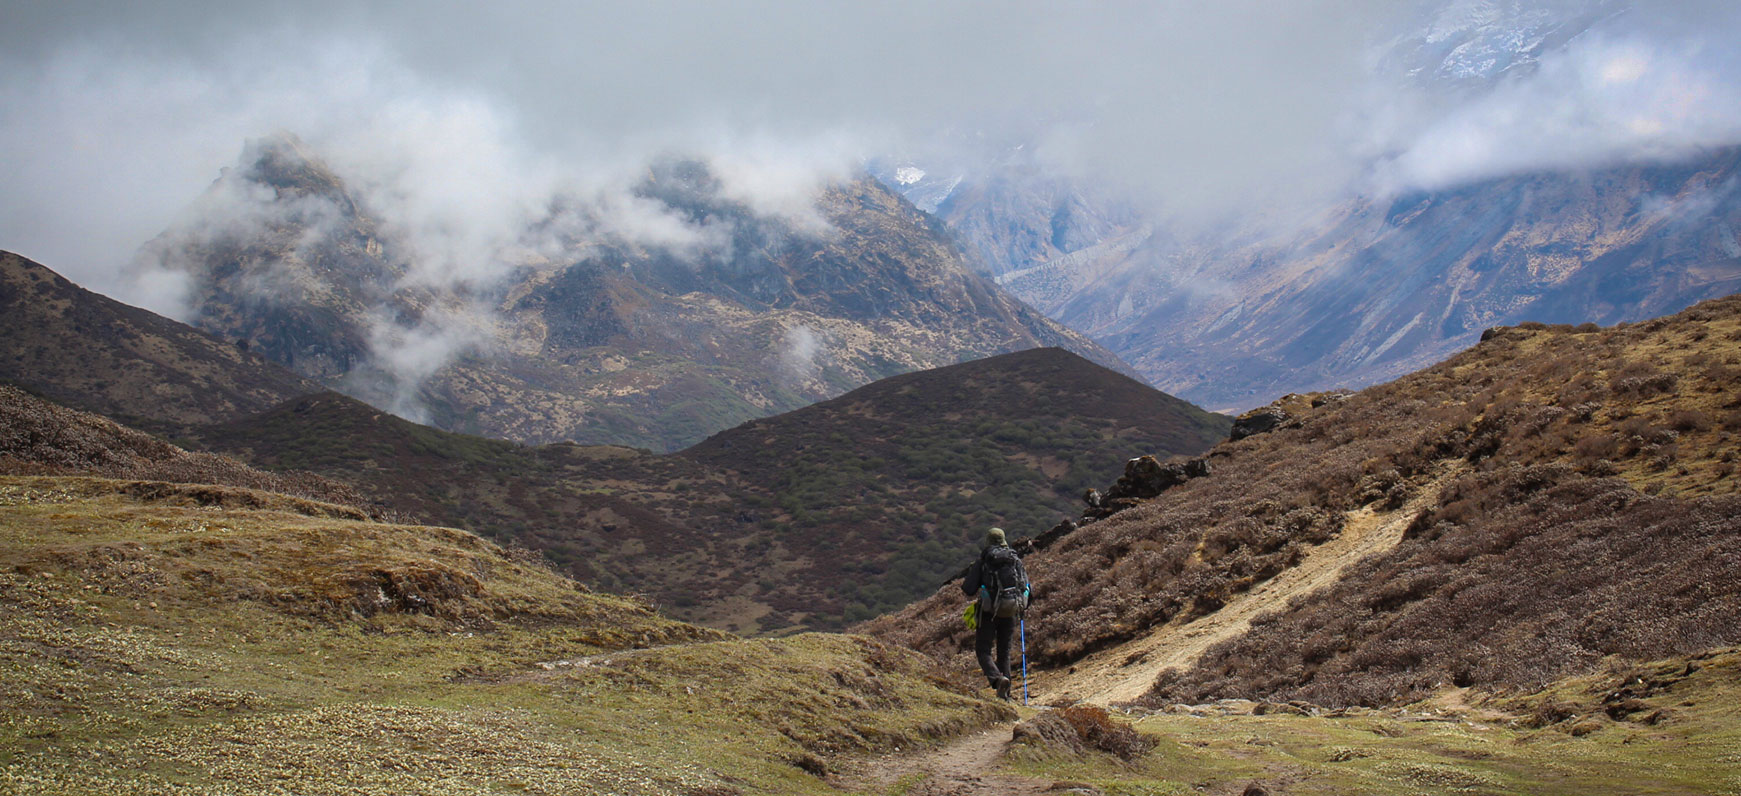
<point>1000,585</point>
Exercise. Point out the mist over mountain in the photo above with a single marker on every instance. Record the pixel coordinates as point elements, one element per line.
<point>1574,173</point>
<point>1381,288</point>
<point>651,319</point>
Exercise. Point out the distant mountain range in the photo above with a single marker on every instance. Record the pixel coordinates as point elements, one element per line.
<point>1379,290</point>
<point>1375,286</point>
<point>1371,289</point>
<point>589,335</point>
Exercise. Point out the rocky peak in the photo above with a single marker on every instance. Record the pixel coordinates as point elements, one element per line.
<point>284,163</point>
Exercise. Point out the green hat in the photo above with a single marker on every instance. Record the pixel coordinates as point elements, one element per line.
<point>995,538</point>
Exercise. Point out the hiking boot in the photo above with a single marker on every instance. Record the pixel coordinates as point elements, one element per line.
<point>1003,688</point>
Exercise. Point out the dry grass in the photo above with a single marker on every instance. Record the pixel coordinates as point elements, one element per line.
<point>1668,727</point>
<point>1602,473</point>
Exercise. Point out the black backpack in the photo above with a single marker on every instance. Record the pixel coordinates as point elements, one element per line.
<point>1003,583</point>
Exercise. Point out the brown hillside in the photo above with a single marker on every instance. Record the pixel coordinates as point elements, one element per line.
<point>1575,493</point>
<point>40,438</point>
<point>94,353</point>
<point>746,531</point>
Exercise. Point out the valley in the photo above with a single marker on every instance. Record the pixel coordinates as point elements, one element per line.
<point>740,532</point>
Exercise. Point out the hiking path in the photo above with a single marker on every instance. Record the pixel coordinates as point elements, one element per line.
<point>968,766</point>
<point>1127,671</point>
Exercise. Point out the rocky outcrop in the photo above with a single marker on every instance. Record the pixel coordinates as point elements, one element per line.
<point>1145,478</point>
<point>1261,420</point>
<point>1287,410</point>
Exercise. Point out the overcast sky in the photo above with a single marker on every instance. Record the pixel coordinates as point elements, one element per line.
<point>114,116</point>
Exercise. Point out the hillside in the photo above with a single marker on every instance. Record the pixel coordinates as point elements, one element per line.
<point>1515,515</point>
<point>91,352</point>
<point>40,438</point>
<point>744,530</point>
<point>186,637</point>
<point>906,473</point>
<point>710,535</point>
<point>262,643</point>
<point>584,334</point>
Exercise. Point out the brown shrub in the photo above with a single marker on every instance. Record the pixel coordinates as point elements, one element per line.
<point>1689,420</point>
<point>1097,730</point>
<point>1559,572</point>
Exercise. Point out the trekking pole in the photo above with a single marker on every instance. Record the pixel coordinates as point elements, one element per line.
<point>1024,660</point>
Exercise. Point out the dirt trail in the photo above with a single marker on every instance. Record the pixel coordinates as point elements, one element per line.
<point>1125,672</point>
<point>966,767</point>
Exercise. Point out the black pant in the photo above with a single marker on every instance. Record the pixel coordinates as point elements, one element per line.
<point>1002,630</point>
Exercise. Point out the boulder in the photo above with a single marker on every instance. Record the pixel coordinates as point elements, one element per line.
<point>1261,420</point>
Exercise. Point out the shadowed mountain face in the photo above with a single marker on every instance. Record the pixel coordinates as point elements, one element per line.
<point>595,338</point>
<point>91,352</point>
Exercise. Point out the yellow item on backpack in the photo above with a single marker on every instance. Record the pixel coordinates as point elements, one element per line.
<point>971,615</point>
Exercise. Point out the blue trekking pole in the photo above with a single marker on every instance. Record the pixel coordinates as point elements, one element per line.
<point>1024,659</point>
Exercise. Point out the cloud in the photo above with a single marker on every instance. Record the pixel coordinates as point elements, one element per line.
<point>1629,88</point>
<point>461,121</point>
<point>404,357</point>
<point>799,351</point>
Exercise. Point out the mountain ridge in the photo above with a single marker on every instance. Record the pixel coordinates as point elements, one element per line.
<point>92,352</point>
<point>591,336</point>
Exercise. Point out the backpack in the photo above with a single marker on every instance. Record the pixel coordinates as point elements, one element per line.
<point>1003,584</point>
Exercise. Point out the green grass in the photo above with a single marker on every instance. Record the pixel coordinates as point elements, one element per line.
<point>158,648</point>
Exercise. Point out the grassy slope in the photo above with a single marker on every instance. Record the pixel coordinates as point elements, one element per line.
<point>1612,448</point>
<point>40,438</point>
<point>157,646</point>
